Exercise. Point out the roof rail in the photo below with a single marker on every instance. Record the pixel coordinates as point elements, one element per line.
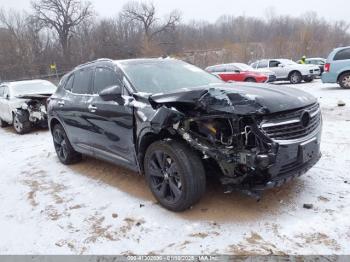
<point>94,61</point>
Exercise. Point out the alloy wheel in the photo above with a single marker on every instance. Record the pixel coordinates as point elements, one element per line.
<point>346,81</point>
<point>60,144</point>
<point>17,124</point>
<point>295,78</point>
<point>165,177</point>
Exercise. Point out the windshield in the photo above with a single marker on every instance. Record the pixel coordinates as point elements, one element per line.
<point>243,67</point>
<point>287,62</point>
<point>32,88</point>
<point>163,76</point>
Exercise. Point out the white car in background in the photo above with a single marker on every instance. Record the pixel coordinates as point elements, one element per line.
<point>286,69</point>
<point>23,104</point>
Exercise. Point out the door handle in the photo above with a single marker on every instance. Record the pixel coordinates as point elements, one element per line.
<point>92,108</point>
<point>60,103</point>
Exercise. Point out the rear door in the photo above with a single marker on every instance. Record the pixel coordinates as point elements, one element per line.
<point>73,107</point>
<point>112,121</point>
<point>341,60</point>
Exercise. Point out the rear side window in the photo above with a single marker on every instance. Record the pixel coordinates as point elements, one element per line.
<point>254,65</point>
<point>262,64</point>
<point>82,81</point>
<point>342,55</point>
<point>104,78</point>
<point>69,83</point>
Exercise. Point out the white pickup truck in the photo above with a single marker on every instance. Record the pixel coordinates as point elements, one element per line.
<point>286,69</point>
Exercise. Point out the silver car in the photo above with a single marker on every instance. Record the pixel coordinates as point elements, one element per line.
<point>286,69</point>
<point>23,104</point>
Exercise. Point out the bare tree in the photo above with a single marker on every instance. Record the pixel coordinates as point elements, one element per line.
<point>62,16</point>
<point>145,14</point>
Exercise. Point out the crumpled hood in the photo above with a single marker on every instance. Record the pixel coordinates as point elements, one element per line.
<point>243,99</point>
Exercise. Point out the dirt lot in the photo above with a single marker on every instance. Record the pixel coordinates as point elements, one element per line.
<point>97,208</point>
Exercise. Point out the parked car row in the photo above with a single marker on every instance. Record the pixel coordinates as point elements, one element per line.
<point>241,72</point>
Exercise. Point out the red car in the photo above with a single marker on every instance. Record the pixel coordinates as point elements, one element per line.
<point>238,72</point>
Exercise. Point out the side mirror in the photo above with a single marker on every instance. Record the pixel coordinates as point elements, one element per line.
<point>237,71</point>
<point>111,93</point>
<point>280,65</point>
<point>7,96</point>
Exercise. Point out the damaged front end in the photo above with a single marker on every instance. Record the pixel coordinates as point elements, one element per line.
<point>254,147</point>
<point>33,110</point>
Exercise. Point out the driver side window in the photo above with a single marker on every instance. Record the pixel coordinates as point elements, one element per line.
<point>104,78</point>
<point>274,63</point>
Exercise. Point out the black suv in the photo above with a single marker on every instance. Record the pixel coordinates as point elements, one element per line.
<point>176,124</point>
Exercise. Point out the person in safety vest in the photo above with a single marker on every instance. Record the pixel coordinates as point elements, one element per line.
<point>303,60</point>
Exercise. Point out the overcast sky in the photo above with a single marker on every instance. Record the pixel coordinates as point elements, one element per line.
<point>212,9</point>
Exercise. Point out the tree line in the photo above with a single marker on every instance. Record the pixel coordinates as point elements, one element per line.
<point>69,32</point>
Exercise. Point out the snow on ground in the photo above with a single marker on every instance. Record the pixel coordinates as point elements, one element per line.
<point>97,208</point>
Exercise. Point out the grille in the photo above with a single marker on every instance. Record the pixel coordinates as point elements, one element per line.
<point>289,126</point>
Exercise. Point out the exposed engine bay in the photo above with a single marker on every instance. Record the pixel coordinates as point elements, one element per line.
<point>34,109</point>
<point>253,147</point>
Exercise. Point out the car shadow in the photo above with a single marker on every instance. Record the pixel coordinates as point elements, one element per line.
<point>214,205</point>
<point>11,130</point>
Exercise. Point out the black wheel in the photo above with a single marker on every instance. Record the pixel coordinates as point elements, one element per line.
<point>344,80</point>
<point>3,123</point>
<point>21,122</point>
<point>295,77</point>
<point>309,79</point>
<point>175,174</point>
<point>64,150</point>
<point>250,79</point>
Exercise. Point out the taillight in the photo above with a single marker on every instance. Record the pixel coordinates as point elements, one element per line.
<point>327,67</point>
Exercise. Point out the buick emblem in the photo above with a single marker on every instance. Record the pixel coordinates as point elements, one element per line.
<point>305,119</point>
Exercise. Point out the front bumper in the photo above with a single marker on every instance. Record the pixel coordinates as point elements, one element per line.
<point>292,160</point>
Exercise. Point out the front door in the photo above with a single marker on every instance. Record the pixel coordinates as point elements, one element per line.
<point>113,133</point>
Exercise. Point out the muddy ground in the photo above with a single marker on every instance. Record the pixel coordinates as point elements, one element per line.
<point>97,208</point>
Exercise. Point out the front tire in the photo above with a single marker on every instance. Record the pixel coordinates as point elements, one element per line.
<point>64,150</point>
<point>295,77</point>
<point>3,123</point>
<point>175,174</point>
<point>21,122</point>
<point>344,80</point>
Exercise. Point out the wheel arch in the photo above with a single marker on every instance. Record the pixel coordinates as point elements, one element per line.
<point>145,140</point>
<point>294,71</point>
<point>342,73</point>
<point>250,77</point>
<point>54,121</point>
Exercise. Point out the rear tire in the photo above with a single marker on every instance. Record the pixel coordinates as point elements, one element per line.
<point>21,122</point>
<point>175,174</point>
<point>250,79</point>
<point>344,80</point>
<point>295,77</point>
<point>3,123</point>
<point>309,79</point>
<point>64,150</point>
